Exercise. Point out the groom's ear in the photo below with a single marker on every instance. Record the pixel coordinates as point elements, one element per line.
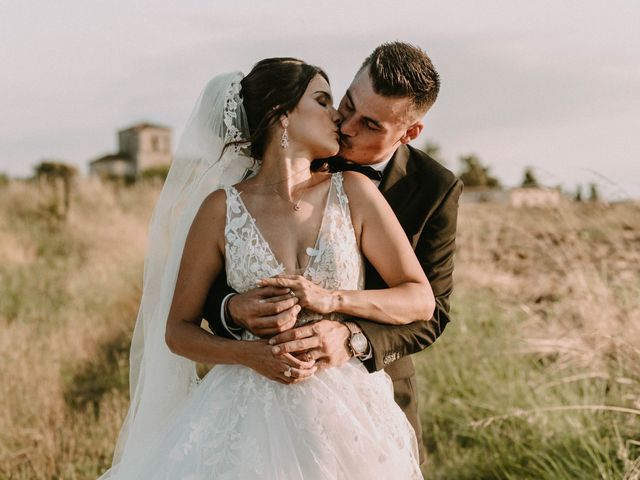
<point>412,132</point>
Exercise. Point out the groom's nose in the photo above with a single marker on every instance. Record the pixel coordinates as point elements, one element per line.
<point>348,126</point>
<point>336,117</point>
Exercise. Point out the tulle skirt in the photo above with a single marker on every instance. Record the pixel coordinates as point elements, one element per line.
<point>343,423</point>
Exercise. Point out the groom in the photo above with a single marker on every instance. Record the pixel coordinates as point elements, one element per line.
<point>382,112</point>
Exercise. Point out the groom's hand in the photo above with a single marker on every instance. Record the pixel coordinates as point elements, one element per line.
<point>324,341</point>
<point>264,311</point>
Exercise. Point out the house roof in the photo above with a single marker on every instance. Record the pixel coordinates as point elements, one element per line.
<point>143,125</point>
<point>111,157</point>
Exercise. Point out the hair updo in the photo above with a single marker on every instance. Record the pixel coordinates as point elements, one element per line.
<point>272,88</point>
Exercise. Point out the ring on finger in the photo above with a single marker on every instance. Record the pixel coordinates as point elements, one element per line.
<point>287,372</point>
<point>292,293</point>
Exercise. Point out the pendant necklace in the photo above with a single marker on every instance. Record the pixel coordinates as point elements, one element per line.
<point>296,205</point>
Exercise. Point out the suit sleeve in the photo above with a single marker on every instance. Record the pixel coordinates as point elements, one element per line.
<point>435,249</point>
<point>212,306</point>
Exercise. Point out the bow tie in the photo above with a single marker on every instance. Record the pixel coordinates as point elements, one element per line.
<point>341,165</point>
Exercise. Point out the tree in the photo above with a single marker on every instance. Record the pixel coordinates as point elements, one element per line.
<point>594,194</point>
<point>529,180</point>
<point>578,195</point>
<point>57,177</point>
<point>155,173</point>
<point>4,179</point>
<point>476,175</point>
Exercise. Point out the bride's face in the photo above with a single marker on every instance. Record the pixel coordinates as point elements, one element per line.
<point>313,124</point>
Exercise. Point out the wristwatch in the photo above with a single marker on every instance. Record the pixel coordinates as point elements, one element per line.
<point>357,343</point>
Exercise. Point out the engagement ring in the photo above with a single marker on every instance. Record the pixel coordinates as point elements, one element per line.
<point>287,372</point>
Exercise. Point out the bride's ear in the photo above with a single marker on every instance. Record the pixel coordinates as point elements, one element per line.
<point>284,121</point>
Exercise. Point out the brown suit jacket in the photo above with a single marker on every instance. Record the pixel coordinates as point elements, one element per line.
<point>424,196</point>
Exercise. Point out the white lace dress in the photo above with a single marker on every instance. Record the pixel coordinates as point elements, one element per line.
<point>343,423</point>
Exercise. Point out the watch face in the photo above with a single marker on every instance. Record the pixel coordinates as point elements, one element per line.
<point>359,343</point>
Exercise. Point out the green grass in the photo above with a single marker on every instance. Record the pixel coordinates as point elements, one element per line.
<point>483,404</point>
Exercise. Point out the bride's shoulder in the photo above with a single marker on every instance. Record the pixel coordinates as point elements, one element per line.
<point>214,204</point>
<point>208,223</point>
<point>358,186</point>
<point>365,200</point>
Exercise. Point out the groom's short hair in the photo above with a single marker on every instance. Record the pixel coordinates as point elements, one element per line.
<point>399,69</point>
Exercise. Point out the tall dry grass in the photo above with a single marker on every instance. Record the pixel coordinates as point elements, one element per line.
<point>69,295</point>
<point>537,376</point>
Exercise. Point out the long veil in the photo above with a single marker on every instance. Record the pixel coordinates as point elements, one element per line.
<point>159,379</point>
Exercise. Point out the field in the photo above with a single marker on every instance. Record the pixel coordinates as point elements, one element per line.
<point>537,376</point>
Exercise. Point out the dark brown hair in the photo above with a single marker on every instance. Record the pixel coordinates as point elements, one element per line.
<point>399,69</point>
<point>273,88</point>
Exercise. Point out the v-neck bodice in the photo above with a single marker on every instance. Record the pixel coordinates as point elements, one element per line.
<point>309,250</point>
<point>335,262</point>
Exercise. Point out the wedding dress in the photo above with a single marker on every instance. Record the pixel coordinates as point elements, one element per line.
<point>342,423</point>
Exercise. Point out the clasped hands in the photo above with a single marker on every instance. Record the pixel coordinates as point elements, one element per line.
<point>271,310</point>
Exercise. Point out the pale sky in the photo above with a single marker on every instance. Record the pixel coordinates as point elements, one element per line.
<point>550,84</point>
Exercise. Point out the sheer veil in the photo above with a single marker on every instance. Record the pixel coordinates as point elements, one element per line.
<point>159,379</point>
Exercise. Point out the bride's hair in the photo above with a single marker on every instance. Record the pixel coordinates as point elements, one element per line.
<point>272,88</point>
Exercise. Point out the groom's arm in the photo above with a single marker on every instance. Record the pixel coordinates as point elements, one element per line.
<point>434,247</point>
<point>264,311</point>
<point>326,340</point>
<point>215,306</point>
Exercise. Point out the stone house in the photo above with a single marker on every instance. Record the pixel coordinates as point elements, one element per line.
<point>141,147</point>
<point>484,195</point>
<point>516,197</point>
<point>535,197</point>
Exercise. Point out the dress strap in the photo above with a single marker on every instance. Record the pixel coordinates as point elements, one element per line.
<point>341,195</point>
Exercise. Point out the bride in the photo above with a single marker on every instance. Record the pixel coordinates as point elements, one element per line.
<point>241,196</point>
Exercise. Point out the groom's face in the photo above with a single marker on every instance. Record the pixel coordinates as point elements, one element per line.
<point>373,126</point>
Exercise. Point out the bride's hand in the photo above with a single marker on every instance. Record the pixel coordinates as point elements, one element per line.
<point>262,360</point>
<point>310,296</point>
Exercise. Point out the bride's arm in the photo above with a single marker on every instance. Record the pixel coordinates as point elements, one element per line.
<point>382,240</point>
<point>202,261</point>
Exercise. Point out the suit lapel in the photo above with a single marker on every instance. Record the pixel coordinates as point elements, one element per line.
<point>396,170</point>
<point>401,190</point>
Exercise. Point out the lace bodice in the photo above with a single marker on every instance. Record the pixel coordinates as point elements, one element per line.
<point>335,262</point>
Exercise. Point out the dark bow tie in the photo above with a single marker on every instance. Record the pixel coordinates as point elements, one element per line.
<point>341,165</point>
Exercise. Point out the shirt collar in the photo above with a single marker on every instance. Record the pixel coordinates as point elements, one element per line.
<point>380,166</point>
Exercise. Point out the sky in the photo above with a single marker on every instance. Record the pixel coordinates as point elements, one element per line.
<point>546,84</point>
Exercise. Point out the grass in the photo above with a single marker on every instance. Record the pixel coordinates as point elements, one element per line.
<point>488,409</point>
<point>69,297</point>
<point>537,376</point>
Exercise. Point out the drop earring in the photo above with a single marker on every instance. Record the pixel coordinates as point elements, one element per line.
<point>284,141</point>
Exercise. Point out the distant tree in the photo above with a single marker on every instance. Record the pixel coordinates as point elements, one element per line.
<point>4,179</point>
<point>433,150</point>
<point>57,177</point>
<point>578,195</point>
<point>594,194</point>
<point>529,180</point>
<point>474,174</point>
<point>155,173</point>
